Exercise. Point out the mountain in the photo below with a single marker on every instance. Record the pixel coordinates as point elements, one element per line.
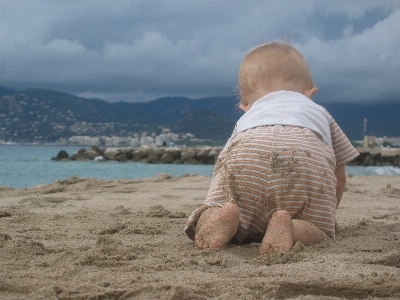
<point>45,115</point>
<point>170,109</point>
<point>383,119</point>
<point>205,124</point>
<point>5,91</point>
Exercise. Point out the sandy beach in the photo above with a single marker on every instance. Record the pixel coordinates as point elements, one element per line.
<point>123,239</point>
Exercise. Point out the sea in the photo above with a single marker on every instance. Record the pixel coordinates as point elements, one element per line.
<point>23,166</point>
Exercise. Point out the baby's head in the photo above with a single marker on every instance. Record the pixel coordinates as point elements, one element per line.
<point>273,67</point>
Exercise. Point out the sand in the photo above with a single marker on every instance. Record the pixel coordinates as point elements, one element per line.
<point>123,239</point>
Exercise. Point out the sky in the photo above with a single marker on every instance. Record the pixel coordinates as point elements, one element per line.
<point>137,51</point>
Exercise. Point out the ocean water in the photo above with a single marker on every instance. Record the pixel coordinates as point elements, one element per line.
<point>26,166</point>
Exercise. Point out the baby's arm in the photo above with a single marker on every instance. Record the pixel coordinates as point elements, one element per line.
<point>340,174</point>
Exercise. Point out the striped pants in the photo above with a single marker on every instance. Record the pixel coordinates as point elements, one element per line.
<point>271,168</point>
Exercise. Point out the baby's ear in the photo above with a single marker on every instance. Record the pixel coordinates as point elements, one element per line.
<point>244,107</point>
<point>310,92</point>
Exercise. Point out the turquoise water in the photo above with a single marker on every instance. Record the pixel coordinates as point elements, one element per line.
<point>26,166</point>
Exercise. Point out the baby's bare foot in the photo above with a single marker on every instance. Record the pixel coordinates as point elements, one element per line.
<point>217,226</point>
<point>279,234</point>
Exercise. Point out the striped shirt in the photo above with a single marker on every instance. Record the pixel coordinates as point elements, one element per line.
<point>275,167</point>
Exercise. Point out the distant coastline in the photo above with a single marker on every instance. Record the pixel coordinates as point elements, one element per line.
<point>46,116</point>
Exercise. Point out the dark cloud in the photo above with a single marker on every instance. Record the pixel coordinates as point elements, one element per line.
<point>332,26</point>
<point>142,50</point>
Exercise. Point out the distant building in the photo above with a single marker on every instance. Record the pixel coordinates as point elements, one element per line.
<point>164,137</point>
<point>83,140</point>
<point>381,141</point>
<point>104,141</point>
<point>147,140</point>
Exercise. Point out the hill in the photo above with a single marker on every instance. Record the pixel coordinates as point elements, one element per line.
<point>383,119</point>
<point>205,124</point>
<point>5,91</point>
<point>44,115</point>
<point>170,109</point>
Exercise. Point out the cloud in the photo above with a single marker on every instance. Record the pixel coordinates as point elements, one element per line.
<point>142,50</point>
<point>360,67</point>
<point>64,48</point>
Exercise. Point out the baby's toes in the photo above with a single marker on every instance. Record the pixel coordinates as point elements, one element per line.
<point>200,243</point>
<point>265,249</point>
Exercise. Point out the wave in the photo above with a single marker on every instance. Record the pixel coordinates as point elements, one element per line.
<point>368,171</point>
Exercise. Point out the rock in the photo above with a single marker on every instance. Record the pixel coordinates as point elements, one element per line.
<point>396,161</point>
<point>95,148</point>
<point>81,158</point>
<point>111,153</point>
<point>146,154</point>
<point>167,158</point>
<point>177,161</point>
<point>101,151</point>
<point>185,155</point>
<point>359,160</point>
<point>79,155</point>
<point>139,154</point>
<point>175,151</point>
<point>388,157</point>
<point>367,161</point>
<point>121,157</point>
<point>191,161</point>
<point>153,159</point>
<point>90,154</point>
<point>376,163</point>
<point>154,155</point>
<point>202,154</point>
<point>212,154</point>
<point>129,153</point>
<point>155,151</point>
<point>136,159</point>
<point>61,155</point>
<point>210,161</point>
<point>375,155</point>
<point>145,160</point>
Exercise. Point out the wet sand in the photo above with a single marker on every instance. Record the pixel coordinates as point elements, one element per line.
<point>123,239</point>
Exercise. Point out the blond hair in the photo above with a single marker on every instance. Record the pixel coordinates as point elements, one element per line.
<point>271,64</point>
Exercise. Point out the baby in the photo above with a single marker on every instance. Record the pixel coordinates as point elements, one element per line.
<point>281,175</point>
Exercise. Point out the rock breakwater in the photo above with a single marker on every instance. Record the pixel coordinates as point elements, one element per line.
<point>145,154</point>
<point>377,157</point>
<point>204,155</point>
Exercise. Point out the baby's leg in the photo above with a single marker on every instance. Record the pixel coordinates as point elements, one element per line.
<point>306,233</point>
<point>217,226</point>
<point>283,232</point>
